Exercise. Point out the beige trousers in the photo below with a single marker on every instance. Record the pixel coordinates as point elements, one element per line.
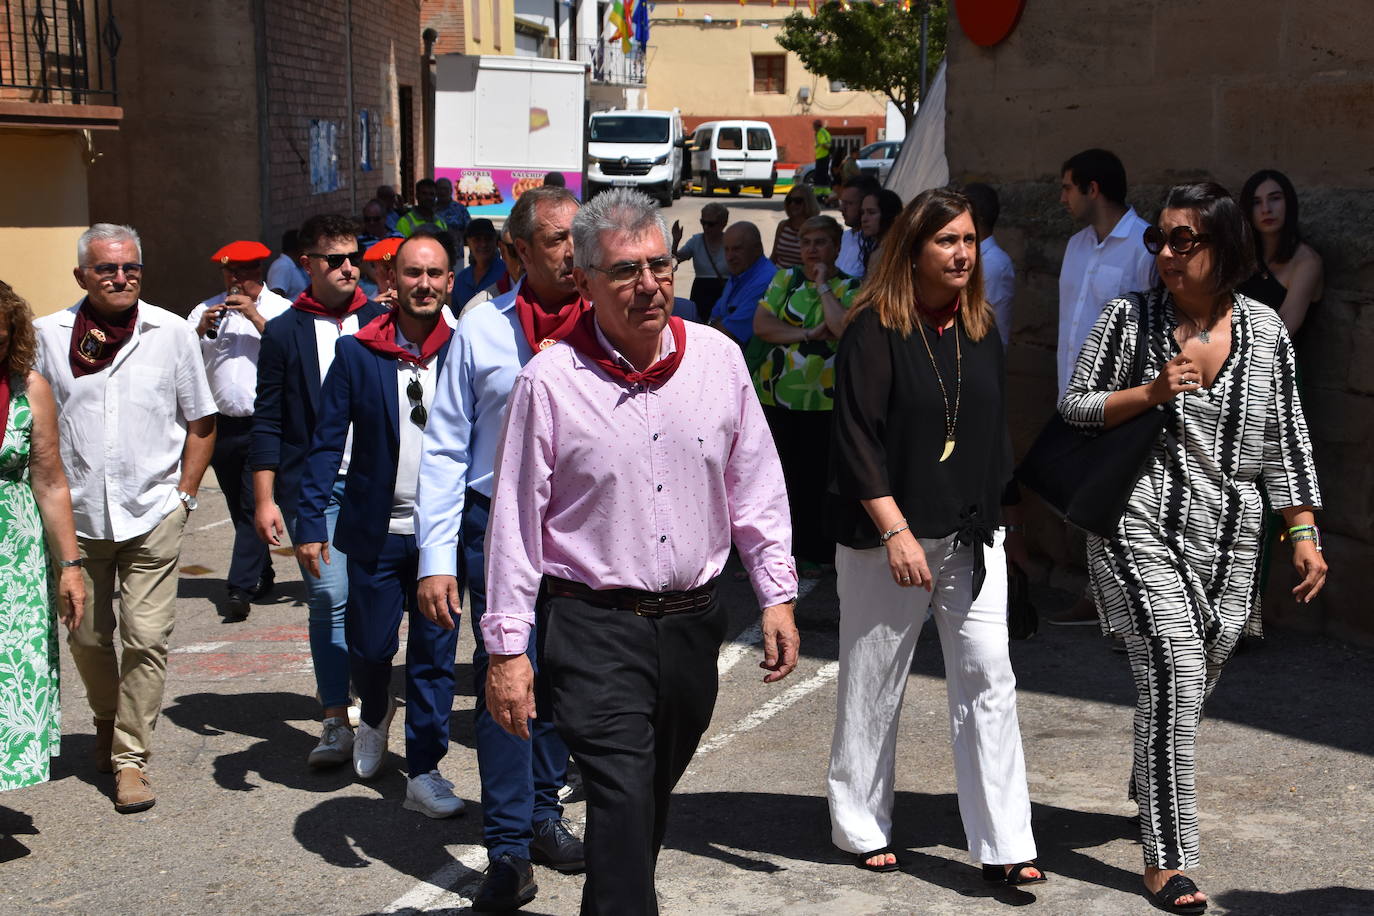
<point>128,689</point>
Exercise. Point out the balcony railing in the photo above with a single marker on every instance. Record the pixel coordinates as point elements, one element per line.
<point>59,52</point>
<point>610,64</point>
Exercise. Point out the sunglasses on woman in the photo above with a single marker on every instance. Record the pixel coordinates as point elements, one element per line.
<point>1180,239</point>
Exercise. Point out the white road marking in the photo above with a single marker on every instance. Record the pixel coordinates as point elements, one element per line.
<point>441,892</point>
<point>223,521</point>
<point>199,648</point>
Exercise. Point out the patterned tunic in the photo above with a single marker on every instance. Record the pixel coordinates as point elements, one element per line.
<point>30,727</point>
<point>1186,557</point>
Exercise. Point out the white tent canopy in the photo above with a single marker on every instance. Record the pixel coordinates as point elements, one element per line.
<point>922,164</point>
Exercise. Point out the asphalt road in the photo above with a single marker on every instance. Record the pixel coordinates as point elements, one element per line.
<point>242,825</point>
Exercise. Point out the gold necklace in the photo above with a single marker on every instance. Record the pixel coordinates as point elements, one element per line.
<point>951,417</point>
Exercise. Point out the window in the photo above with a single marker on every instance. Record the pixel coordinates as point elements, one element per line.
<point>770,73</point>
<point>760,138</point>
<point>629,129</point>
<point>729,138</point>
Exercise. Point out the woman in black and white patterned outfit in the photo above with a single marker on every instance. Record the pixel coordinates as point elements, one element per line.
<point>1180,579</point>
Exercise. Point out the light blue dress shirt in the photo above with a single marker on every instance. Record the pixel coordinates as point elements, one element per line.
<point>464,428</point>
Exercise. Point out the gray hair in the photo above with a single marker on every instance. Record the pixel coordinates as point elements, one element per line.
<point>523,214</point>
<point>106,232</point>
<point>617,210</point>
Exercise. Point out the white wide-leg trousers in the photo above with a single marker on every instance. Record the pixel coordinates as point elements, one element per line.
<point>879,625</point>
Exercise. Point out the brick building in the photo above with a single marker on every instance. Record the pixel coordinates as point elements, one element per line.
<point>1179,93</point>
<point>243,117</point>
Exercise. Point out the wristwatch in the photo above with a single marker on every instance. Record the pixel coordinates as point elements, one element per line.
<point>187,500</point>
<point>68,564</point>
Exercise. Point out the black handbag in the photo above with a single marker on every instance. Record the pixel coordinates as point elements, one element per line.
<point>1022,620</point>
<point>1087,476</point>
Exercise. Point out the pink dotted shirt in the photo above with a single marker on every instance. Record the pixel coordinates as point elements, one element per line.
<point>618,486</point>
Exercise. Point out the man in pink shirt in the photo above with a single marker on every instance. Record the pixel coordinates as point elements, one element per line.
<point>635,452</point>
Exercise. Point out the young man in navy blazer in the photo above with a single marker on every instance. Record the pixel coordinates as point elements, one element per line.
<point>297,350</point>
<point>381,387</point>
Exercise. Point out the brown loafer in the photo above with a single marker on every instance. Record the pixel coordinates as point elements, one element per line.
<point>104,745</point>
<point>133,792</point>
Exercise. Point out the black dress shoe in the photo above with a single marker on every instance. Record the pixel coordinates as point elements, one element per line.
<point>237,607</point>
<point>507,885</point>
<point>555,846</point>
<point>264,587</point>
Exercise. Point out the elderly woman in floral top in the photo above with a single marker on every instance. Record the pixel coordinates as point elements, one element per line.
<point>797,326</point>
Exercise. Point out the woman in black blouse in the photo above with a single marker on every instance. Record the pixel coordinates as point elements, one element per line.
<point>1289,278</point>
<point>920,461</point>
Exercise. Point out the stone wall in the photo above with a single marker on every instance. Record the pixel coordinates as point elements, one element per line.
<point>1182,90</point>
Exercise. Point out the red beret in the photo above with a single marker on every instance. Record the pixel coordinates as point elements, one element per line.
<point>384,250</point>
<point>241,252</point>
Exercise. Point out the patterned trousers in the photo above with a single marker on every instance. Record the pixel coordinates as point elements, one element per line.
<point>1173,678</point>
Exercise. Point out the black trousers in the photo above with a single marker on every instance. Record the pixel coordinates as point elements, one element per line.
<point>803,441</point>
<point>632,697</point>
<point>250,560</point>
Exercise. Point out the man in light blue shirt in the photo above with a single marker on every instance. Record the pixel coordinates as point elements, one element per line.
<point>522,820</point>
<point>750,274</point>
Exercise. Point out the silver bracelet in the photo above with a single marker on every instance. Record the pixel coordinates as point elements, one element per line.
<point>888,534</point>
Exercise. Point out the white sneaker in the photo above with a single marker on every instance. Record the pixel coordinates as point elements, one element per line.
<point>336,744</point>
<point>432,795</point>
<point>369,744</point>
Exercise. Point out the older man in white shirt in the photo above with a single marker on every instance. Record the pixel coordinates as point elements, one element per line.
<point>137,433</point>
<point>230,327</point>
<point>1104,260</point>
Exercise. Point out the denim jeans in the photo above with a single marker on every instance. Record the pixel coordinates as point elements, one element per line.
<point>328,602</point>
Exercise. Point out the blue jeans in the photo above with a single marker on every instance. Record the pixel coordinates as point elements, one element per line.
<point>381,594</point>
<point>328,603</point>
<point>520,779</point>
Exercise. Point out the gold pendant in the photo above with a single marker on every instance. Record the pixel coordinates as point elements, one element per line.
<point>949,449</point>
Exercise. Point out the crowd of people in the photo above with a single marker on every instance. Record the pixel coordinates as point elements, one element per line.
<point>420,430</point>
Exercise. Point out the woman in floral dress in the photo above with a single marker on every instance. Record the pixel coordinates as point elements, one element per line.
<point>33,500</point>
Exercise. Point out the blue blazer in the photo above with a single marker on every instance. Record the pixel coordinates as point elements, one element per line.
<point>361,389</point>
<point>288,399</point>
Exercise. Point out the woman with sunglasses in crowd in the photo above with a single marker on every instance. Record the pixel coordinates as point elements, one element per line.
<point>798,206</point>
<point>1179,581</point>
<point>706,251</point>
<point>920,470</point>
<point>1289,278</point>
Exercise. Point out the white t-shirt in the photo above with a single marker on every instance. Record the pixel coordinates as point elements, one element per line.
<point>412,436</point>
<point>851,259</point>
<point>231,357</point>
<point>327,334</point>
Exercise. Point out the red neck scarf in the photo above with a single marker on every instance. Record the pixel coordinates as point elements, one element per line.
<point>543,328</point>
<point>312,306</point>
<point>5,392</point>
<point>379,336</point>
<point>939,318</point>
<point>96,339</point>
<point>583,338</point>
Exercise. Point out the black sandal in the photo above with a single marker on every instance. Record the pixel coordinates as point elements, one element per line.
<point>861,860</point>
<point>1176,887</point>
<point>1016,877</point>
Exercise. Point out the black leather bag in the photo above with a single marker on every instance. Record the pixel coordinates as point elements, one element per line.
<point>1087,477</point>
<point>1022,620</point>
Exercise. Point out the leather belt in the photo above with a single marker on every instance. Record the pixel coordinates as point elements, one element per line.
<point>645,604</point>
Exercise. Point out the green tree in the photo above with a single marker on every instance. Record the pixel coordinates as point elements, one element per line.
<point>871,47</point>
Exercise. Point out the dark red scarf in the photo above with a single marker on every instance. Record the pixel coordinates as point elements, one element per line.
<point>583,337</point>
<point>504,284</point>
<point>96,340</point>
<point>5,392</point>
<point>542,328</point>
<point>939,318</point>
<point>312,306</point>
<point>379,336</point>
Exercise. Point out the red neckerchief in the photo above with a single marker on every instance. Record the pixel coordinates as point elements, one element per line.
<point>379,336</point>
<point>4,398</point>
<point>96,339</point>
<point>583,338</point>
<point>542,328</point>
<point>312,306</point>
<point>938,319</point>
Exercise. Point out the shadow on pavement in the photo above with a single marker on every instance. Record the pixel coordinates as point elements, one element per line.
<point>728,826</point>
<point>280,755</point>
<point>14,824</point>
<point>352,832</point>
<point>1328,901</point>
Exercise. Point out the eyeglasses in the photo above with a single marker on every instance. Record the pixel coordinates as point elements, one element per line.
<point>107,270</point>
<point>418,414</point>
<point>335,261</point>
<point>1180,239</point>
<point>628,272</point>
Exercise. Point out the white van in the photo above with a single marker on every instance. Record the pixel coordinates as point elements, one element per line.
<point>636,149</point>
<point>731,154</point>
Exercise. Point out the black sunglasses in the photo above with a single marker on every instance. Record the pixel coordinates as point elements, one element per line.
<point>1181,239</point>
<point>335,261</point>
<point>418,414</point>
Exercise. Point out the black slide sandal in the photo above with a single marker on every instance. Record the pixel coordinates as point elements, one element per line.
<point>1014,878</point>
<point>861,860</point>
<point>1174,888</point>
